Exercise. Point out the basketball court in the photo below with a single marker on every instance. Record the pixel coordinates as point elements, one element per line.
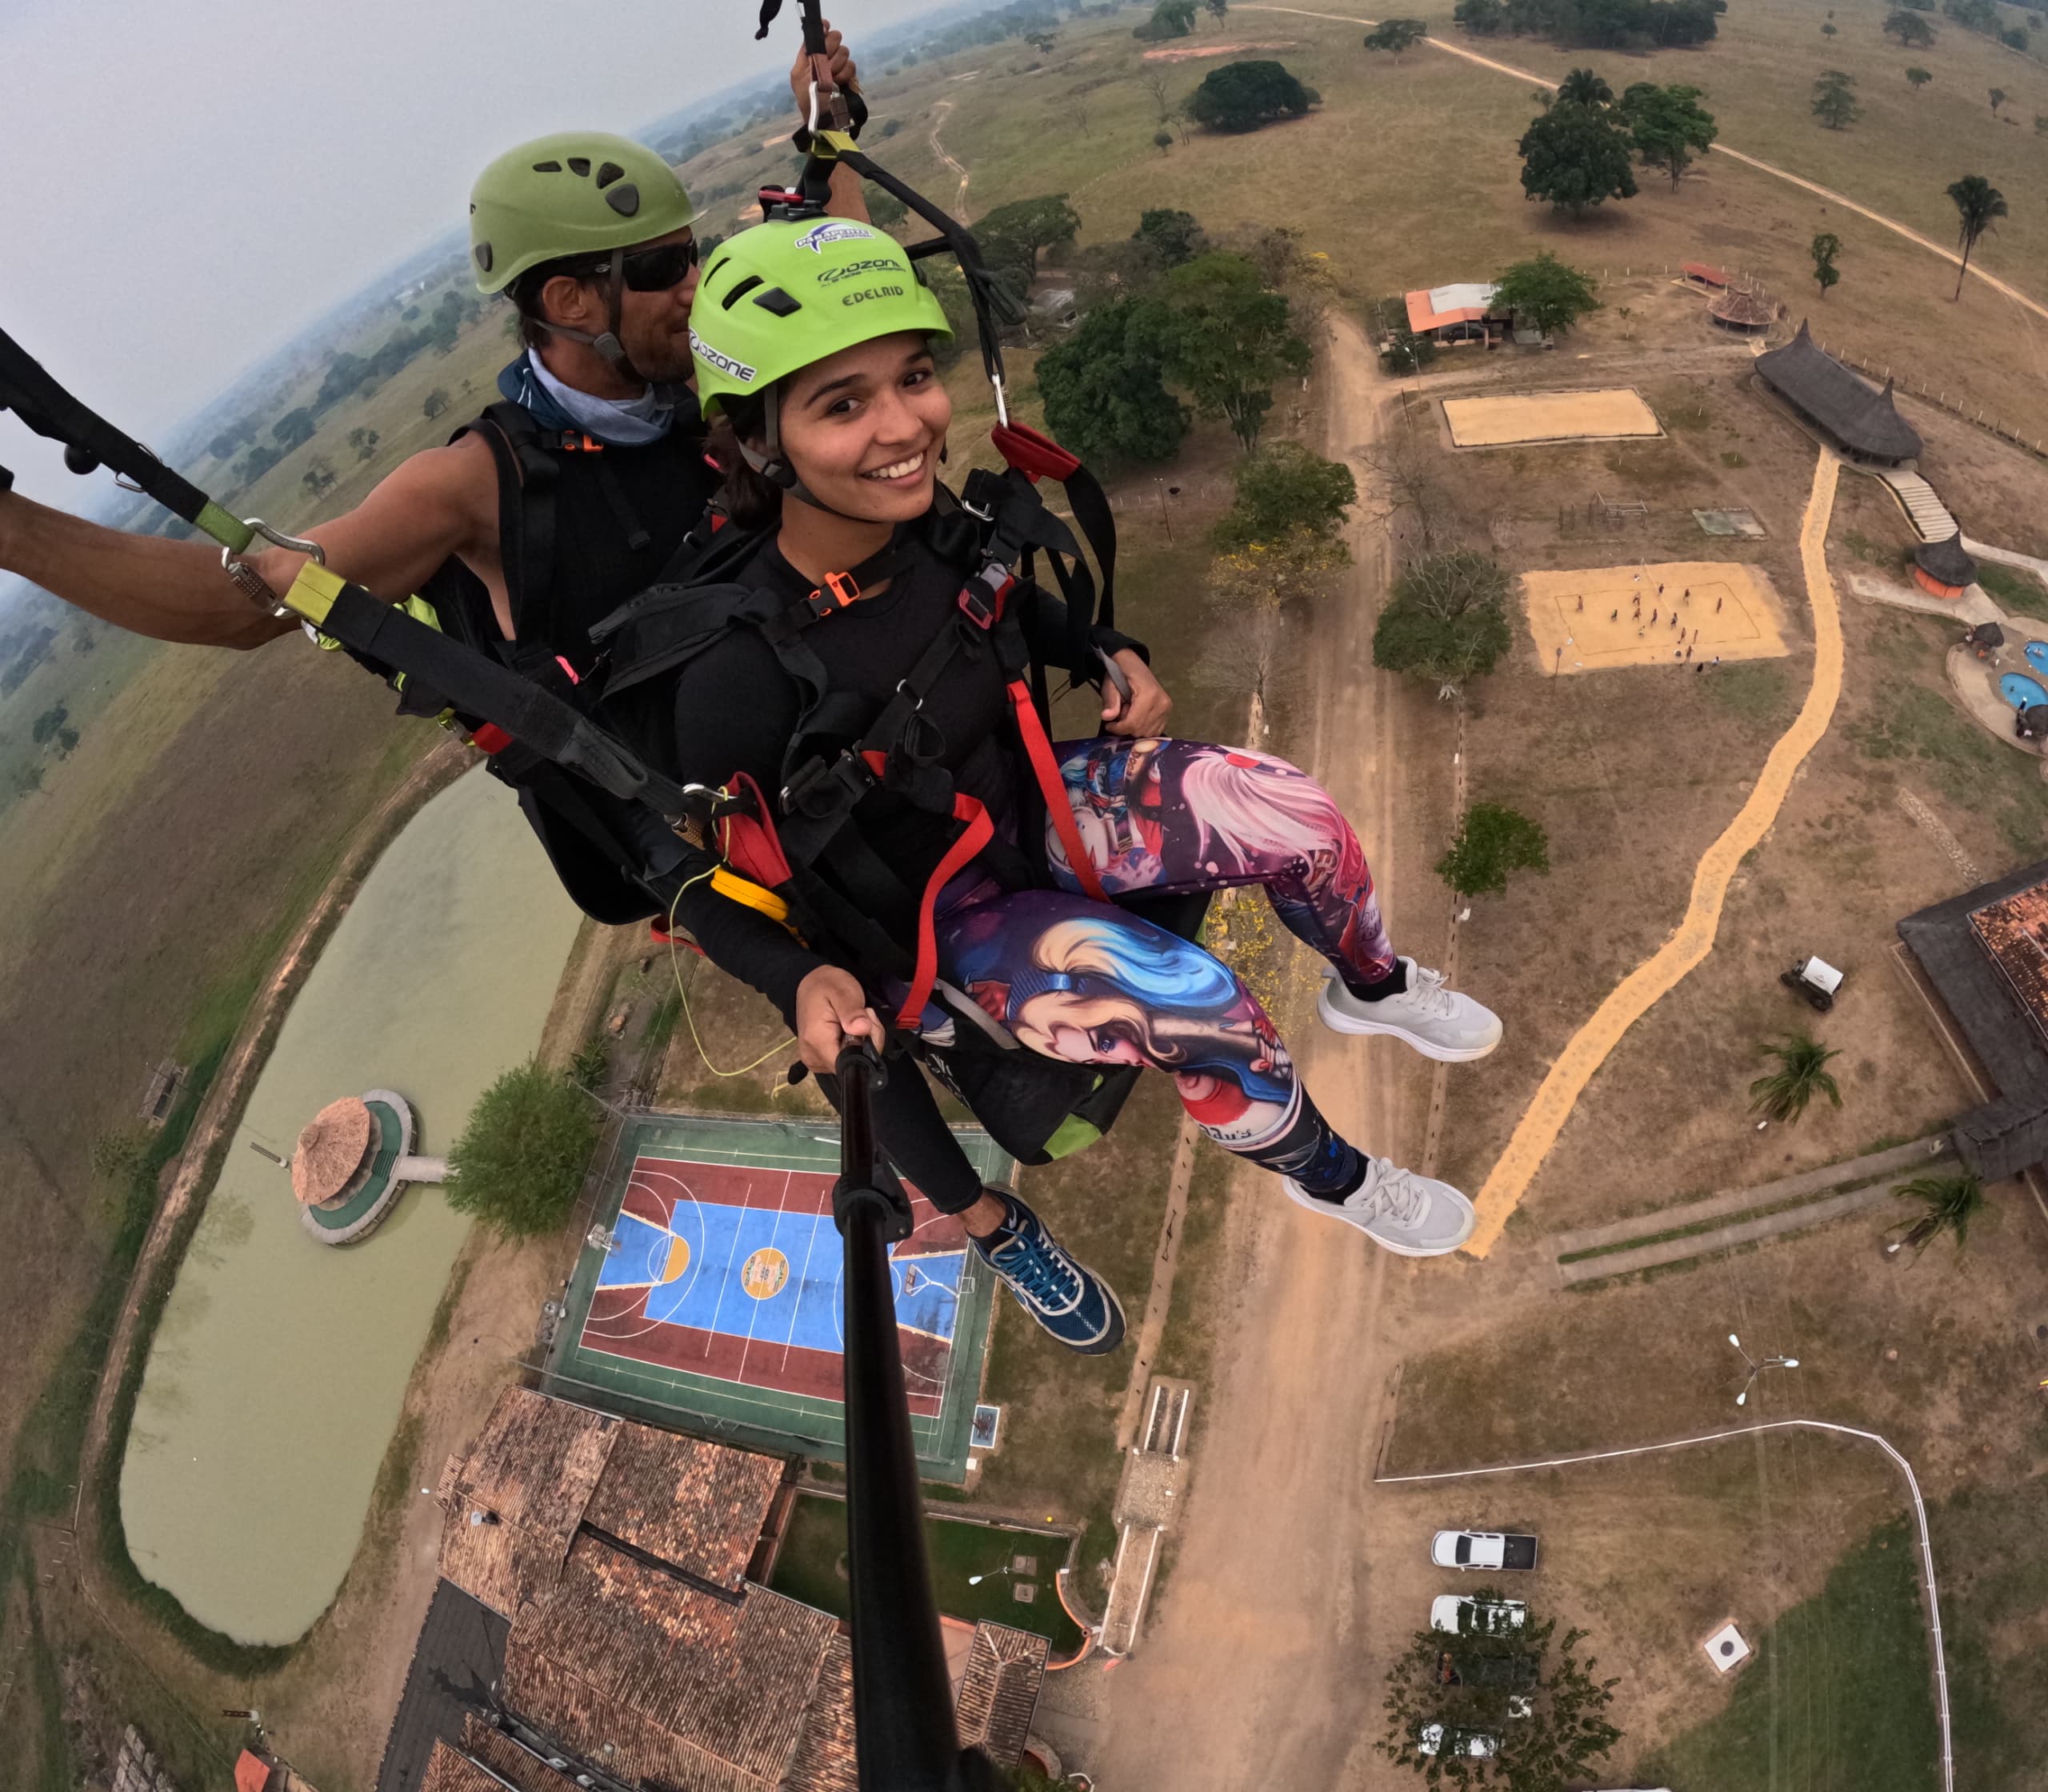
<point>711,1293</point>
<point>1600,618</point>
<point>1526,417</point>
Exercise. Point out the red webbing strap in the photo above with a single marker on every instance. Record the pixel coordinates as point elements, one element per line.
<point>1035,456</point>
<point>978,833</point>
<point>490,738</point>
<point>1052,788</point>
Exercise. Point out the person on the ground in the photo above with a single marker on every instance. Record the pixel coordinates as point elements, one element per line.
<point>592,237</point>
<point>815,350</point>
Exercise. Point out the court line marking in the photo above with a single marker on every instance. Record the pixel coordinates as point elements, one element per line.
<point>1693,938</point>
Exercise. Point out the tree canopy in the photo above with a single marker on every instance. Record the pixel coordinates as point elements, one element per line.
<point>1834,104</point>
<point>1224,339</point>
<point>1668,126</point>
<point>1494,841</point>
<point>522,1156</point>
<point>1446,621</point>
<point>1596,24</point>
<point>1576,156</point>
<point>1583,87</point>
<point>1978,206</point>
<point>1917,77</point>
<point>1546,293</point>
<point>1011,236</point>
<point>1170,18</point>
<point>1285,487</point>
<point>1910,28</point>
<point>1103,392</point>
<point>1397,35</point>
<point>1242,96</point>
<point>1827,245</point>
<point>1173,237</point>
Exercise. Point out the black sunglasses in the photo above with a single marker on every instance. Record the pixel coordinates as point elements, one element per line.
<point>658,270</point>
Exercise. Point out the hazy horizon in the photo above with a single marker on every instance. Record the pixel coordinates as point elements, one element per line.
<point>176,212</point>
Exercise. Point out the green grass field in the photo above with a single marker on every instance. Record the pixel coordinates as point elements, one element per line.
<point>809,1569</point>
<point>1838,1697</point>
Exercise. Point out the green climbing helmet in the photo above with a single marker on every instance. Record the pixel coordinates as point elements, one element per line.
<point>577,193</point>
<point>785,294</point>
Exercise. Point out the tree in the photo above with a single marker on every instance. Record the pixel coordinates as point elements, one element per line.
<point>1540,1704</point>
<point>436,402</point>
<point>319,477</point>
<point>522,1158</point>
<point>1544,294</point>
<point>1918,77</point>
<point>1583,87</point>
<point>120,1155</point>
<point>364,442</point>
<point>1242,96</point>
<point>1079,111</point>
<point>1667,125</point>
<point>1249,626</point>
<point>1011,236</point>
<point>1910,28</point>
<point>1218,9</point>
<point>1162,141</point>
<point>1483,18</point>
<point>1155,81</point>
<point>1170,18</point>
<point>1103,391</point>
<point>1833,104</point>
<point>1224,339</point>
<point>884,210</point>
<point>1827,30</point>
<point>1397,35</point>
<point>1283,488</point>
<point>1802,1073</point>
<point>1950,1203</point>
<point>293,428</point>
<point>1173,237</point>
<point>1978,206</point>
<point>1408,352</point>
<point>43,730</point>
<point>1825,247</point>
<point>1495,841</point>
<point>1576,155</point>
<point>1997,100</point>
<point>1446,621</point>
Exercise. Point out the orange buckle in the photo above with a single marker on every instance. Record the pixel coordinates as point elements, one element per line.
<point>843,591</point>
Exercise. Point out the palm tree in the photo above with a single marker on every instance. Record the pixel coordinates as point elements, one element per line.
<point>1802,1073</point>
<point>1583,87</point>
<point>1979,205</point>
<point>1949,1201</point>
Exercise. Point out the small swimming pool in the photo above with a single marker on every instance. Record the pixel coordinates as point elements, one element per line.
<point>2036,655</point>
<point>2021,691</point>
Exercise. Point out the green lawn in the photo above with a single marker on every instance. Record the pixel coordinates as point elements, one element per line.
<point>808,1569</point>
<point>1839,1697</point>
<point>2017,591</point>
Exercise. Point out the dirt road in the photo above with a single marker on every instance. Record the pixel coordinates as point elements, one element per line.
<point>940,113</point>
<point>1251,1671</point>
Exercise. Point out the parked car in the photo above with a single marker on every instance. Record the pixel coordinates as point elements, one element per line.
<point>1436,1738</point>
<point>1458,1616</point>
<point>1483,1549</point>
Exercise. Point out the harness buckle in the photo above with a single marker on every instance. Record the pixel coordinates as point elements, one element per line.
<point>980,598</point>
<point>580,442</point>
<point>837,592</point>
<point>821,787</point>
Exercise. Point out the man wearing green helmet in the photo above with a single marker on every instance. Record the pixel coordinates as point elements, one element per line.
<point>536,519</point>
<point>863,707</point>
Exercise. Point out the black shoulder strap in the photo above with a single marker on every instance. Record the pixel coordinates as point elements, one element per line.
<point>526,477</point>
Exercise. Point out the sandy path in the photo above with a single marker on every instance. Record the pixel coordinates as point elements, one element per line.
<point>940,113</point>
<point>1693,939</point>
<point>1772,168</point>
<point>1249,1672</point>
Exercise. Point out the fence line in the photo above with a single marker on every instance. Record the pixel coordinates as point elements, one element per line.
<point>1920,389</point>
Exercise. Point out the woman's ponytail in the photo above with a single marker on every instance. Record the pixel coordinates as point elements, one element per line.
<point>752,500</point>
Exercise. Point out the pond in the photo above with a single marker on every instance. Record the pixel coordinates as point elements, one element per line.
<point>277,1374</point>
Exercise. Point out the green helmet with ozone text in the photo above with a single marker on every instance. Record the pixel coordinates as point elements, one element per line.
<point>788,293</point>
<point>577,193</point>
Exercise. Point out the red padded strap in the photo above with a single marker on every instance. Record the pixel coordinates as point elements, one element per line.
<point>1052,788</point>
<point>1035,456</point>
<point>977,834</point>
<point>748,842</point>
<point>490,738</point>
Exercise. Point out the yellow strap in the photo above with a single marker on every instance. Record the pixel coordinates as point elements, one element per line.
<point>836,141</point>
<point>313,592</point>
<point>742,890</point>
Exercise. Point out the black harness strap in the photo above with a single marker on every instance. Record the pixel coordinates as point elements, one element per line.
<point>526,475</point>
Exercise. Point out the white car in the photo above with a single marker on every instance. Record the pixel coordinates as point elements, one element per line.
<point>1476,1743</point>
<point>1461,1616</point>
<point>1490,1550</point>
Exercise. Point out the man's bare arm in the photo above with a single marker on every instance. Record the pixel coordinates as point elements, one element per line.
<point>439,502</point>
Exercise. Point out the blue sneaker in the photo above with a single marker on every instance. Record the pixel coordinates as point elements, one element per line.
<point>1070,1300</point>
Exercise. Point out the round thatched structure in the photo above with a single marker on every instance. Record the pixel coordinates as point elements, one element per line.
<point>1747,312</point>
<point>1944,568</point>
<point>330,1151</point>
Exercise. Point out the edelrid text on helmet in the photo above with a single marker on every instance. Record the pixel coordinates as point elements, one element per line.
<point>577,193</point>
<point>784,294</point>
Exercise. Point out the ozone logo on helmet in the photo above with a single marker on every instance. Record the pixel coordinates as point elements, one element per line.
<point>875,264</point>
<point>724,362</point>
<point>833,231</point>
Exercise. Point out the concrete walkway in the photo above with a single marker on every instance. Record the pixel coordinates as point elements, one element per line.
<point>1974,605</point>
<point>1723,1238</point>
<point>2008,557</point>
<point>1748,1200</point>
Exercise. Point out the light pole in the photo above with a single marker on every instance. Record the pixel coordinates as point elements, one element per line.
<point>1166,516</point>
<point>1757,1368</point>
<point>976,1580</point>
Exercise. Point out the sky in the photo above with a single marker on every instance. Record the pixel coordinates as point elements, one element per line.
<point>186,184</point>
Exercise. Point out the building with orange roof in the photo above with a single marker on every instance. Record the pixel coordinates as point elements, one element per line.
<point>1462,312</point>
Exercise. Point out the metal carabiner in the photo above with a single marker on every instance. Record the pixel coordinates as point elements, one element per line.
<point>252,584</point>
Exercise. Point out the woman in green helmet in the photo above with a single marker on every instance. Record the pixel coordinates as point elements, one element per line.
<point>813,340</point>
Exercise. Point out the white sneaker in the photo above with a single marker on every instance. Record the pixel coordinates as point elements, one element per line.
<point>1411,1215</point>
<point>1437,1021</point>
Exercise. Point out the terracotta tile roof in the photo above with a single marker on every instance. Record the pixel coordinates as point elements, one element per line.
<point>1706,272</point>
<point>824,1760</point>
<point>620,1652</point>
<point>1436,307</point>
<point>527,1479</point>
<point>447,1771</point>
<point>699,1505</point>
<point>513,1764</point>
<point>999,1691</point>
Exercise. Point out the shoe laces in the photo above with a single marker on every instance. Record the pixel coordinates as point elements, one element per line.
<point>1032,1262</point>
<point>1427,989</point>
<point>1388,1190</point>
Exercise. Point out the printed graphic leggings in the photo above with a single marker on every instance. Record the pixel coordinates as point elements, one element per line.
<point>1089,982</point>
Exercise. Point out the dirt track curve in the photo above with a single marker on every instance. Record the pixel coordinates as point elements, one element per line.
<point>940,113</point>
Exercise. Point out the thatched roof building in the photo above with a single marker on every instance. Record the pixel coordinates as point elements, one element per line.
<point>1985,955</point>
<point>1738,309</point>
<point>331,1147</point>
<point>1944,568</point>
<point>1985,634</point>
<point>1846,409</point>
